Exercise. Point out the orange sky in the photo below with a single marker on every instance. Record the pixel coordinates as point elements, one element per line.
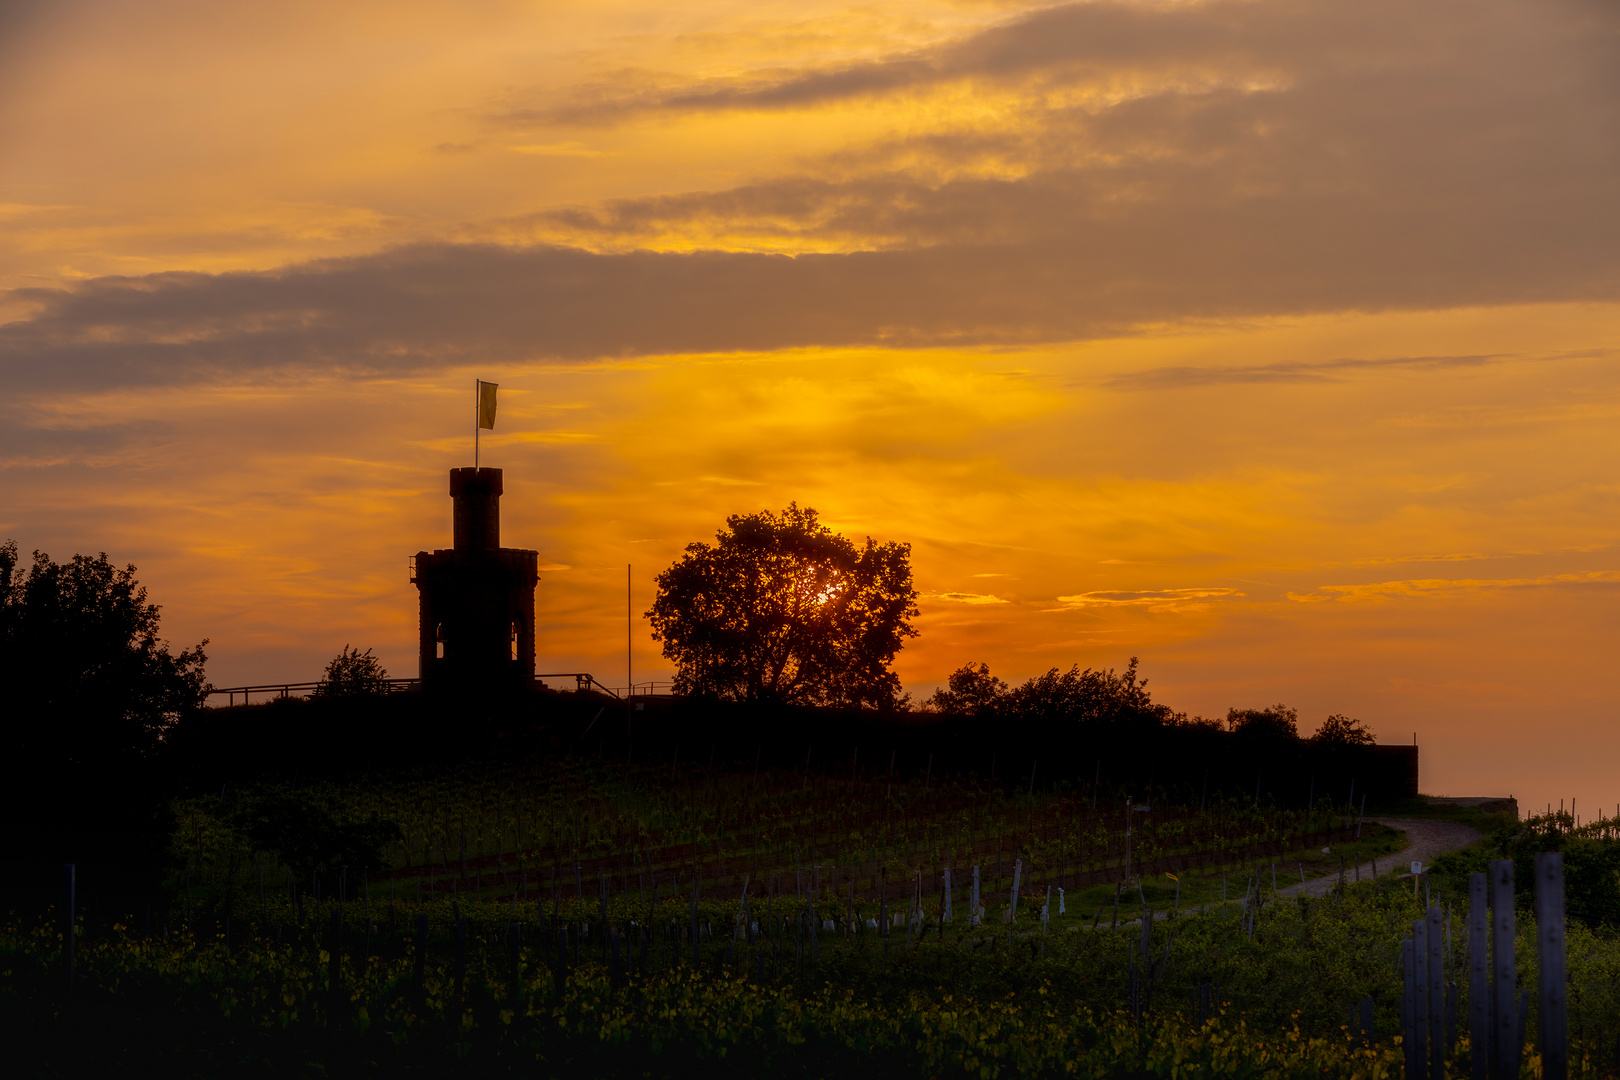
<point>1272,342</point>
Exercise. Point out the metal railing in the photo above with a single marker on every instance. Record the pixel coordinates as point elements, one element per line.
<point>583,681</point>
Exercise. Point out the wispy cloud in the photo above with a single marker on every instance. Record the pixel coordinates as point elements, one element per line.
<point>1442,588</point>
<point>1336,370</point>
<point>1085,42</point>
<point>970,598</point>
<point>1157,600</point>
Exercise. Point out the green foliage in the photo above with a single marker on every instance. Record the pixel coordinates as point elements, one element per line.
<point>783,609</point>
<point>262,1003</point>
<point>1015,996</point>
<point>1591,862</point>
<point>306,836</point>
<point>948,1002</point>
<point>352,673</point>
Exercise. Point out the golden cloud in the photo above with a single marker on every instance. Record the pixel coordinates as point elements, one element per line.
<point>1421,588</point>
<point>1157,600</point>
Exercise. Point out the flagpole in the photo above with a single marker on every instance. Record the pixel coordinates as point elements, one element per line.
<point>629,676</point>
<point>477,387</point>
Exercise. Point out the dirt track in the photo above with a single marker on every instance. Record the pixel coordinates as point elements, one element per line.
<point>1425,840</point>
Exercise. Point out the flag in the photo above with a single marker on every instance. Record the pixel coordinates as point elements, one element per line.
<point>486,404</point>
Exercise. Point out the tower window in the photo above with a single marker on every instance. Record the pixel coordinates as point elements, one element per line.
<point>438,637</point>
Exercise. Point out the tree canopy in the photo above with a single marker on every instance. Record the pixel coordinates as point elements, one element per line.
<point>1089,696</point>
<point>780,608</point>
<point>352,673</point>
<point>1278,723</point>
<point>1099,696</point>
<point>88,679</point>
<point>90,693</point>
<point>1341,730</point>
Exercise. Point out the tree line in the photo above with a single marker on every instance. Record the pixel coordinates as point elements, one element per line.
<point>1101,697</point>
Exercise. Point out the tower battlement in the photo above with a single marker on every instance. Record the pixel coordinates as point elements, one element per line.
<point>477,598</point>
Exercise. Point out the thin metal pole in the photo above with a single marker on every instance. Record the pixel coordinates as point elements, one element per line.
<point>477,389</point>
<point>629,679</point>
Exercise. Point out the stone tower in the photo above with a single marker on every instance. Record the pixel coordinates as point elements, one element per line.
<point>477,599</point>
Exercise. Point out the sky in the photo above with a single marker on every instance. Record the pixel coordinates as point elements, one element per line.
<point>1275,343</point>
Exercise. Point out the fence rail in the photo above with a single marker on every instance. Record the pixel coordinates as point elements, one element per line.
<point>583,681</point>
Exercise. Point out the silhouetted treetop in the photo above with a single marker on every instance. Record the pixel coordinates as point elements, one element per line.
<point>781,608</point>
<point>1278,723</point>
<point>352,673</point>
<point>970,691</point>
<point>86,677</point>
<point>1340,730</point>
<point>1088,697</point>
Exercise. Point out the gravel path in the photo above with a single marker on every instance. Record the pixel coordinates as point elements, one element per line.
<point>1424,840</point>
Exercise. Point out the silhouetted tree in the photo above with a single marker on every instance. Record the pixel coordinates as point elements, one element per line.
<point>1088,697</point>
<point>90,692</point>
<point>1278,723</point>
<point>87,678</point>
<point>1340,730</point>
<point>970,691</point>
<point>352,673</point>
<point>781,608</point>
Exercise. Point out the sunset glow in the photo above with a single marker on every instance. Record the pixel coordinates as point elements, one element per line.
<point>1275,343</point>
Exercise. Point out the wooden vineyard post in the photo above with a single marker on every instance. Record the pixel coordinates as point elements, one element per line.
<point>1012,908</point>
<point>420,960</point>
<point>1437,996</point>
<point>1554,1018</point>
<point>694,920</point>
<point>69,934</point>
<point>1409,1007</point>
<point>1420,999</point>
<point>883,908</point>
<point>461,959</point>
<point>334,968</point>
<point>1504,1024</point>
<point>1130,969</point>
<point>1479,981</point>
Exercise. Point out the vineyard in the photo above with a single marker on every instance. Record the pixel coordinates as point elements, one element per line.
<point>630,834</point>
<point>652,921</point>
